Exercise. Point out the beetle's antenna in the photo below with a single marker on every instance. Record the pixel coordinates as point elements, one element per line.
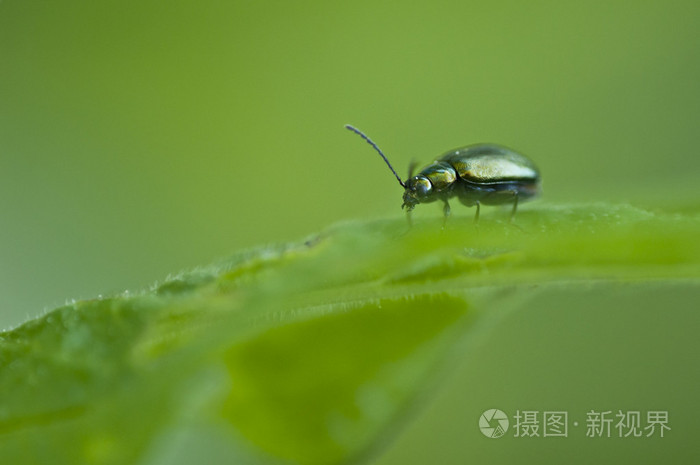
<point>369,141</point>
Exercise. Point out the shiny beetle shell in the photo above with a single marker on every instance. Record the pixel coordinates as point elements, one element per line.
<point>491,164</point>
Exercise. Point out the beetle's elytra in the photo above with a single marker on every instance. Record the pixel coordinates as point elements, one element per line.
<point>477,174</point>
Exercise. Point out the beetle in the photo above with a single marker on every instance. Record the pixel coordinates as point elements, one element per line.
<point>488,174</point>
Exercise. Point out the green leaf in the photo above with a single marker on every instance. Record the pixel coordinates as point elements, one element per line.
<point>320,387</point>
<point>308,352</point>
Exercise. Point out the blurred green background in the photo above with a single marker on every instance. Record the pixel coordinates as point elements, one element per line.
<point>141,138</point>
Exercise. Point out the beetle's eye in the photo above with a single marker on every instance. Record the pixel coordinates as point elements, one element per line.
<point>422,187</point>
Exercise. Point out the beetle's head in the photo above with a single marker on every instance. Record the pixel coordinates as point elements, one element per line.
<point>418,189</point>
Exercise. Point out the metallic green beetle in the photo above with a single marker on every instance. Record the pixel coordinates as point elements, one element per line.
<point>475,174</point>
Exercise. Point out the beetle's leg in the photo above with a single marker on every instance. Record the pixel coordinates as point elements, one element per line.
<point>411,168</point>
<point>478,208</point>
<point>515,206</point>
<point>408,218</point>
<point>446,210</point>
